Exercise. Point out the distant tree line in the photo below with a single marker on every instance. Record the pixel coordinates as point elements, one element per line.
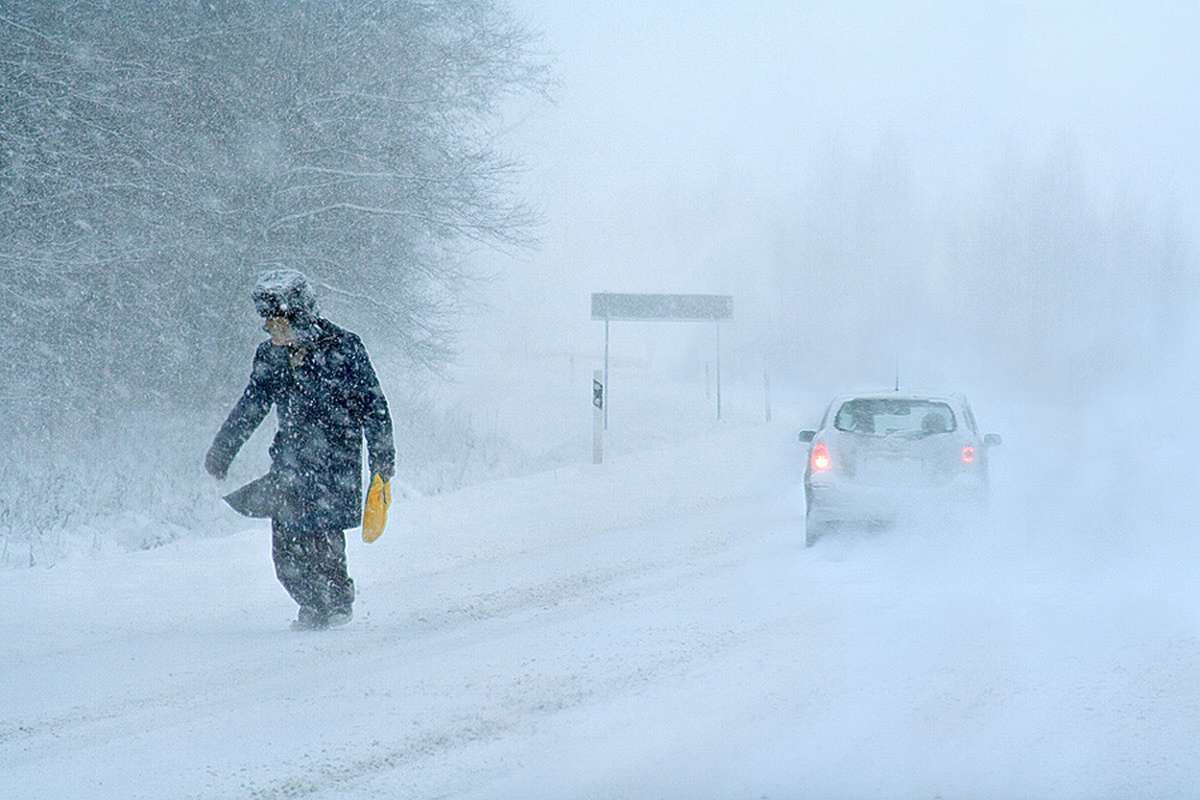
<point>155,156</point>
<point>1032,275</point>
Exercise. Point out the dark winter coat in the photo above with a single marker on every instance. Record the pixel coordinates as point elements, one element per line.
<point>325,405</point>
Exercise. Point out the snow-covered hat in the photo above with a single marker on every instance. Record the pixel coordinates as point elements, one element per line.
<point>284,293</point>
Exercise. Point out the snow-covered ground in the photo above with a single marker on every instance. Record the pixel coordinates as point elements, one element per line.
<point>650,628</point>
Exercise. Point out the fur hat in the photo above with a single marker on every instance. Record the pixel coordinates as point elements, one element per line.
<point>284,293</point>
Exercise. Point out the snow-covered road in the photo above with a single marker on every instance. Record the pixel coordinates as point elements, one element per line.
<point>651,628</point>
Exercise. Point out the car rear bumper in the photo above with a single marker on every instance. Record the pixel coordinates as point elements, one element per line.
<point>833,499</point>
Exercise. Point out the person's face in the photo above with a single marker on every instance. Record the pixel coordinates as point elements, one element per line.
<point>281,331</point>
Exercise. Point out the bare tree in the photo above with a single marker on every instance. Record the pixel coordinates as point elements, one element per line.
<point>154,157</point>
<point>1029,274</point>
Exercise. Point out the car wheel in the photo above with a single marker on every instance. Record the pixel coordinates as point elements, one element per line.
<point>810,534</point>
<point>814,529</point>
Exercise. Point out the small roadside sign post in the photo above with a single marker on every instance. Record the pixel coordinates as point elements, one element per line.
<point>767,392</point>
<point>607,307</point>
<point>606,370</point>
<point>597,417</point>
<point>718,370</point>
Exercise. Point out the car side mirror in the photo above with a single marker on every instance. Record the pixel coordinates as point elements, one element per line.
<point>992,440</point>
<point>807,436</point>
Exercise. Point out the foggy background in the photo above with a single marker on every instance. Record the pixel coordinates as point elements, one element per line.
<point>976,190</point>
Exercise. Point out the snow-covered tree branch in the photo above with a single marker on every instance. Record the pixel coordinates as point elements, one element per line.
<point>153,159</point>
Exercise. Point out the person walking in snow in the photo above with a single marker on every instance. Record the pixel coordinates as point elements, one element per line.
<point>326,397</point>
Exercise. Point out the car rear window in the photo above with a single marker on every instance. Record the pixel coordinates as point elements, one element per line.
<point>887,417</point>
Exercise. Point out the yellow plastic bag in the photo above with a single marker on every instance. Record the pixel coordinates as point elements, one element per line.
<point>379,497</point>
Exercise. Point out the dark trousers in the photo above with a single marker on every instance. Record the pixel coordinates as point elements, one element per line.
<point>311,565</point>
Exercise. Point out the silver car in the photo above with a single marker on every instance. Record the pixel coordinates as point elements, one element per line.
<point>878,456</point>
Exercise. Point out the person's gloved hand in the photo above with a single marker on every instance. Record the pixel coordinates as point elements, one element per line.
<point>379,497</point>
<point>216,464</point>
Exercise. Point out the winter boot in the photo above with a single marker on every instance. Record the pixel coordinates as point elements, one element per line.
<point>339,616</point>
<point>309,619</point>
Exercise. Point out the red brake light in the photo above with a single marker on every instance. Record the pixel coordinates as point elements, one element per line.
<point>968,454</point>
<point>819,459</point>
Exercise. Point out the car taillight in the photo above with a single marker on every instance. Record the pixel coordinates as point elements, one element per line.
<point>968,454</point>
<point>819,459</point>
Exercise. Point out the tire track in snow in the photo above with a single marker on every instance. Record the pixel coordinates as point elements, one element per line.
<point>332,773</point>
